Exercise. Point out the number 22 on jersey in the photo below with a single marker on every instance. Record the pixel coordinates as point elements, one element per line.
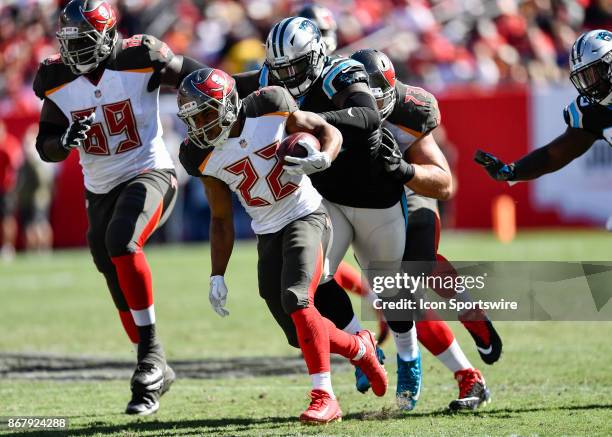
<point>250,177</point>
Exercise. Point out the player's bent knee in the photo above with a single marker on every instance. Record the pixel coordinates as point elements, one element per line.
<point>119,238</point>
<point>400,327</point>
<point>99,255</point>
<point>293,300</point>
<point>333,303</point>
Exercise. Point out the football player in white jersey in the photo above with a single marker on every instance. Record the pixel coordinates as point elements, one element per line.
<point>232,147</point>
<point>367,215</point>
<point>100,98</point>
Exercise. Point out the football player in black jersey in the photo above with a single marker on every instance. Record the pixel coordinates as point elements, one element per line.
<point>363,199</point>
<point>129,176</point>
<point>410,115</point>
<point>588,118</point>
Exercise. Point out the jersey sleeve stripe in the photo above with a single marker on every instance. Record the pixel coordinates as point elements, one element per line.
<point>140,70</point>
<point>57,88</point>
<point>202,166</point>
<point>263,77</point>
<point>327,82</point>
<point>278,113</point>
<point>414,133</point>
<point>575,116</point>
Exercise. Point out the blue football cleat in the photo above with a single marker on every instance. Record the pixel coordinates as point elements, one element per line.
<point>361,381</point>
<point>408,383</point>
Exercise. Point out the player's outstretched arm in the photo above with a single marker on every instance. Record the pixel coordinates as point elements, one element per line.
<point>547,159</point>
<point>177,69</point>
<point>432,175</point>
<point>329,137</point>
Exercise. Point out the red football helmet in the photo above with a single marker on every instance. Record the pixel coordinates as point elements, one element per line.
<point>209,105</point>
<point>381,77</point>
<point>87,34</point>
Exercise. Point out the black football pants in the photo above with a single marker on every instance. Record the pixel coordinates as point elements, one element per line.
<point>120,221</point>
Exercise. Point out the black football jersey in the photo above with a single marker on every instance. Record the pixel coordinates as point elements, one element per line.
<point>416,110</point>
<point>268,100</point>
<point>592,117</point>
<point>139,52</point>
<point>353,178</point>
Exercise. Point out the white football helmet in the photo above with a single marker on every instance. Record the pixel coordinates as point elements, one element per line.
<point>591,66</point>
<point>295,54</point>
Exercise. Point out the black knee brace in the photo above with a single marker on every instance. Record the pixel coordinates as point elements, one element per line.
<point>334,304</point>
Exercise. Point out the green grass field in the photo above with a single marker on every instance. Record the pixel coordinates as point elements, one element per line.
<point>553,379</point>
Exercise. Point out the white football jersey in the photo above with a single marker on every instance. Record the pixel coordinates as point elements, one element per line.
<point>125,138</point>
<point>249,166</point>
<point>403,137</point>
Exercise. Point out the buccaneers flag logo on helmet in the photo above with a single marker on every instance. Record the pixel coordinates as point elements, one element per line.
<point>101,17</point>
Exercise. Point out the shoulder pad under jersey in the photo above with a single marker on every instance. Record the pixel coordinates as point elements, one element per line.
<point>193,158</point>
<point>592,117</point>
<point>269,100</point>
<point>416,110</point>
<point>52,74</point>
<point>339,73</point>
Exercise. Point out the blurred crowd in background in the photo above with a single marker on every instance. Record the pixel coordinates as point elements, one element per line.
<point>433,43</point>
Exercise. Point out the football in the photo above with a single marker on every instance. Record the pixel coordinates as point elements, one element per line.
<point>290,147</point>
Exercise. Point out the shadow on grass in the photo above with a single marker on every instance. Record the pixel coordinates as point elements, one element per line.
<point>393,414</point>
<point>233,425</point>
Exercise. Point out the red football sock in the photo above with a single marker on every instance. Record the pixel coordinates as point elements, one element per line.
<point>434,334</point>
<point>129,326</point>
<point>313,338</point>
<point>350,279</point>
<point>134,275</point>
<point>135,280</point>
<point>444,269</point>
<point>311,330</point>
<point>340,342</point>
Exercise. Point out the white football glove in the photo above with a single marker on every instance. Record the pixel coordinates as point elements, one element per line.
<point>314,162</point>
<point>218,295</point>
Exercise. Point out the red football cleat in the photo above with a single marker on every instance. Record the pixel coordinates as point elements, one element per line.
<point>369,364</point>
<point>322,409</point>
<point>473,391</point>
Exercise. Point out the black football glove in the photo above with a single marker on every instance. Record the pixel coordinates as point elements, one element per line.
<point>77,132</point>
<point>495,167</point>
<point>393,160</point>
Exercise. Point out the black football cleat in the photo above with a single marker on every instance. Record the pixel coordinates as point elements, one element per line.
<point>473,391</point>
<point>148,384</point>
<point>488,341</point>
